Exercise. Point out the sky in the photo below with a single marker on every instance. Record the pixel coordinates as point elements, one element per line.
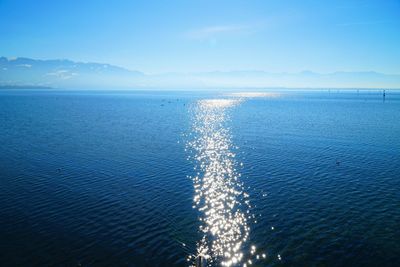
<point>196,36</point>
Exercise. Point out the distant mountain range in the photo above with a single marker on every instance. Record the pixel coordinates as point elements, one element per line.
<point>62,73</point>
<point>20,72</point>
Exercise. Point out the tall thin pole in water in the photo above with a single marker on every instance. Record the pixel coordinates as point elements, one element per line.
<point>201,261</point>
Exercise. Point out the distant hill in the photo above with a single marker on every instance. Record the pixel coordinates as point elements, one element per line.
<point>24,87</point>
<point>19,72</point>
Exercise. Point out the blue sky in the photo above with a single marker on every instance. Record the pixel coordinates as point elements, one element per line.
<point>192,36</point>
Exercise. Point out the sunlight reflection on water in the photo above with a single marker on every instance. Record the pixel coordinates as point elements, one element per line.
<point>219,194</point>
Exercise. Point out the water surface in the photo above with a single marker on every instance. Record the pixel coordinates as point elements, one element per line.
<point>102,178</point>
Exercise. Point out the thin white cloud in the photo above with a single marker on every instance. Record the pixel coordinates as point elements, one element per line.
<point>216,31</point>
<point>62,74</point>
<point>24,65</point>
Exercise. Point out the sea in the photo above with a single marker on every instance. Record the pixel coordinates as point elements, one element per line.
<point>199,178</point>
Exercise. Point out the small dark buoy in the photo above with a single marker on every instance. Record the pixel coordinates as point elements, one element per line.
<point>384,95</point>
<point>337,162</point>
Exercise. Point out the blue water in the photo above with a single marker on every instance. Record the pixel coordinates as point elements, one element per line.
<point>102,178</point>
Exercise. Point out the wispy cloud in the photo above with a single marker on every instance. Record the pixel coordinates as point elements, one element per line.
<point>362,23</point>
<point>217,31</point>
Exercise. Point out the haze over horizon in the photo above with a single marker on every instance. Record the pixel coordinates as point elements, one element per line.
<point>67,74</point>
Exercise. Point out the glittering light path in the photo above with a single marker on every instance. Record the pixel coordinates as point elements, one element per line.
<point>219,194</point>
